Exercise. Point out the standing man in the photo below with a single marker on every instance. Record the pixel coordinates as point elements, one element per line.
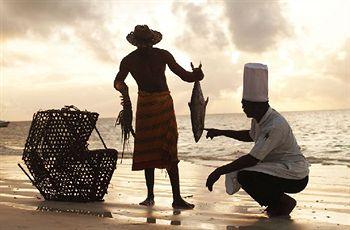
<point>274,166</point>
<point>156,128</point>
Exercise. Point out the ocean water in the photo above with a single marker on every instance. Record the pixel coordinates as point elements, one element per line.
<point>324,137</point>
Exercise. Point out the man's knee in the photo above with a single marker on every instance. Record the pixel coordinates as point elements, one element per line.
<point>244,177</point>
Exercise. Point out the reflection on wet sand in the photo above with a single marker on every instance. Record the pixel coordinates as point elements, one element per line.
<point>322,206</point>
<point>151,219</point>
<point>283,222</point>
<point>45,208</point>
<point>175,222</point>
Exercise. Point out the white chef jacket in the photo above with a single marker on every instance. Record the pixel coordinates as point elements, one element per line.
<point>276,148</point>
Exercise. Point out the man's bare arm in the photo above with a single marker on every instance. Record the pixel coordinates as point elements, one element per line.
<point>241,135</point>
<point>124,118</point>
<point>119,83</point>
<point>187,76</point>
<point>241,163</point>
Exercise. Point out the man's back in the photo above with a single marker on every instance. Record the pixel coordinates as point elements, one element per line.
<point>276,147</point>
<point>147,66</point>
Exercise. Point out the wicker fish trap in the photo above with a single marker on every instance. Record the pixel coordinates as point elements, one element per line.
<point>57,156</point>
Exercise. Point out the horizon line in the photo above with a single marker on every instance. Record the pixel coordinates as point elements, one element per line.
<point>286,111</point>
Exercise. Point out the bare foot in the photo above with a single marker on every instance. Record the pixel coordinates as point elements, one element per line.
<point>268,209</point>
<point>148,202</point>
<point>181,204</point>
<point>285,207</point>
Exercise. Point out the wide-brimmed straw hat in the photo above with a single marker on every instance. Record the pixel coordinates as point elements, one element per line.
<point>144,36</point>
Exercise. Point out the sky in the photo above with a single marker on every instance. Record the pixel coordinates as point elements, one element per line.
<point>56,53</point>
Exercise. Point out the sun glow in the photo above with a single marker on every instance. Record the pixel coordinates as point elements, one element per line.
<point>234,57</point>
<point>60,52</point>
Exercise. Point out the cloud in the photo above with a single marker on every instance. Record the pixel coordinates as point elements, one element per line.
<point>255,25</point>
<point>201,30</point>
<point>42,17</point>
<point>63,52</point>
<point>204,39</point>
<point>40,20</point>
<point>325,86</point>
<point>196,18</point>
<point>214,30</point>
<point>252,26</point>
<point>337,65</point>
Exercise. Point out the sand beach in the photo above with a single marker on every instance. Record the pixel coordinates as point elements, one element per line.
<point>324,204</point>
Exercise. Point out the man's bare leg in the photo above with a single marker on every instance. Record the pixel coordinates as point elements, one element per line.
<point>178,202</point>
<point>149,176</point>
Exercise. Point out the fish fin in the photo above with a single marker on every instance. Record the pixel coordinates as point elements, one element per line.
<point>206,101</point>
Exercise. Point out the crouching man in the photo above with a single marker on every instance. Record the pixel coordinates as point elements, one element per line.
<point>274,166</point>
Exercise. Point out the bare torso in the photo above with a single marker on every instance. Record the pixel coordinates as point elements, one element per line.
<point>147,67</point>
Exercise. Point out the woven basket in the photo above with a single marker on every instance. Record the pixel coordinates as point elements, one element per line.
<point>57,157</point>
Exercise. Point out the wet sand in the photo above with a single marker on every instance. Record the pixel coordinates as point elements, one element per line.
<point>324,204</point>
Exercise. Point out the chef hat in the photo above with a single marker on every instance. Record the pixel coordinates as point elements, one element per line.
<point>255,82</point>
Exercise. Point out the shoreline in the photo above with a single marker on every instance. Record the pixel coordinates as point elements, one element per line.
<point>216,162</point>
<point>214,114</point>
<point>324,204</point>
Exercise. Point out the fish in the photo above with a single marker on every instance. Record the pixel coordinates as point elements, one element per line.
<point>197,107</point>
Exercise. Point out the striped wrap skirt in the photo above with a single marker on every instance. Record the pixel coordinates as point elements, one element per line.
<point>156,132</point>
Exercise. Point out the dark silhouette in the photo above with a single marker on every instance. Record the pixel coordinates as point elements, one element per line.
<point>156,129</point>
<point>275,165</point>
<point>57,156</point>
